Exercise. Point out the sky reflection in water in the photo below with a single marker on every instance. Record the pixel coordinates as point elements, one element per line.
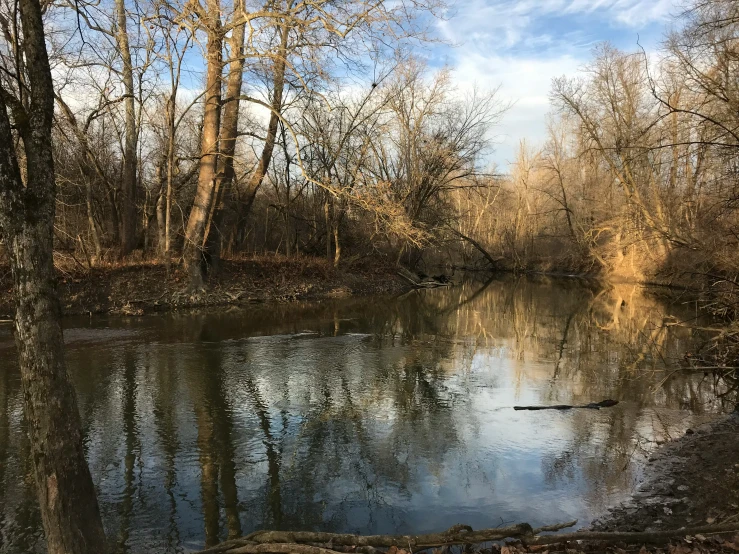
<point>363,415</point>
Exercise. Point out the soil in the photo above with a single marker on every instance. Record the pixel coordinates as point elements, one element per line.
<point>136,289</point>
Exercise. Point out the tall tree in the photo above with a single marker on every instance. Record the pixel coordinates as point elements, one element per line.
<point>195,234</point>
<point>130,160</point>
<point>66,494</point>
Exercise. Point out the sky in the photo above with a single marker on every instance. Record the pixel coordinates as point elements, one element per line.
<point>520,45</point>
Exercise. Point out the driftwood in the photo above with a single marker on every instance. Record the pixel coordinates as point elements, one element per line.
<point>284,542</point>
<point>424,282</point>
<point>591,406</point>
<point>305,542</point>
<point>644,537</point>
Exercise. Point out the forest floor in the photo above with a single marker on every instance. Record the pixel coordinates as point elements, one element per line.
<point>139,288</point>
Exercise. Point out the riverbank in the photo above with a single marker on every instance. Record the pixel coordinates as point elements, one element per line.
<point>140,288</point>
<point>693,480</point>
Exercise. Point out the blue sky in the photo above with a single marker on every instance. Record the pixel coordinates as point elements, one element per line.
<point>522,44</point>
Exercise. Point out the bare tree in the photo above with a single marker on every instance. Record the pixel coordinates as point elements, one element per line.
<point>69,507</point>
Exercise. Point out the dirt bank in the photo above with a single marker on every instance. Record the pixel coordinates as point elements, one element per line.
<point>691,481</point>
<point>135,289</point>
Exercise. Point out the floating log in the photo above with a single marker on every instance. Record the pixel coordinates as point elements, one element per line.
<point>592,406</point>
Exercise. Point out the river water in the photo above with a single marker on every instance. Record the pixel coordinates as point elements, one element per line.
<point>373,415</point>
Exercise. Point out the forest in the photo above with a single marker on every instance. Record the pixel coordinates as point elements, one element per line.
<point>189,133</point>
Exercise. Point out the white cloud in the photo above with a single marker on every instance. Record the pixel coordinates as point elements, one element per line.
<point>525,82</point>
<point>520,45</point>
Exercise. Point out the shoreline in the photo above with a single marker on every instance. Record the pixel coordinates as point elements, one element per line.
<point>135,289</point>
<point>139,289</point>
<point>690,481</point>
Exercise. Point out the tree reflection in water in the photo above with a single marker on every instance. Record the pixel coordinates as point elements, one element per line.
<point>365,415</point>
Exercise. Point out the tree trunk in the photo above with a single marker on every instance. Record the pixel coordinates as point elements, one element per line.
<point>171,103</point>
<point>91,219</point>
<point>128,181</point>
<point>196,224</point>
<point>256,178</point>
<point>161,208</point>
<point>327,220</point>
<point>337,244</point>
<point>66,494</point>
<point>229,131</point>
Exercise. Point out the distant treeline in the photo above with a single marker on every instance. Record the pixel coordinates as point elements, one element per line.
<point>191,132</point>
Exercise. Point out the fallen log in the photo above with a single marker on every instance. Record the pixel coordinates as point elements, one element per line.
<point>592,406</point>
<point>643,537</point>
<point>424,282</point>
<point>284,542</point>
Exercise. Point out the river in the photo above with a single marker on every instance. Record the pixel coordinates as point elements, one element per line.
<point>371,415</point>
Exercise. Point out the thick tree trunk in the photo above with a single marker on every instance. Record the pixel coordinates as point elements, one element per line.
<point>128,182</point>
<point>229,130</point>
<point>66,494</point>
<point>201,209</point>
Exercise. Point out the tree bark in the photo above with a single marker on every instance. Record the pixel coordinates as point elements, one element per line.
<point>229,131</point>
<point>91,218</point>
<point>66,493</point>
<point>128,180</point>
<point>278,81</point>
<point>161,212</point>
<point>337,244</point>
<point>196,223</point>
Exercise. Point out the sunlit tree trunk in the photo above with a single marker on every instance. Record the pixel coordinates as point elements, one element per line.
<point>229,131</point>
<point>201,209</point>
<point>278,85</point>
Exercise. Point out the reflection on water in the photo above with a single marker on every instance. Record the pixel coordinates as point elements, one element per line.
<point>364,415</point>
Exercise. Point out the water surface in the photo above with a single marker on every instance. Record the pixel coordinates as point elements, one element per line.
<point>374,415</point>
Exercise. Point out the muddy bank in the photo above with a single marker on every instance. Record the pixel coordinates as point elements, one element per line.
<point>136,289</point>
<point>691,481</point>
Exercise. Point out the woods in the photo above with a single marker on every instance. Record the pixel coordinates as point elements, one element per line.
<point>637,178</point>
<point>189,133</point>
<point>186,133</point>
